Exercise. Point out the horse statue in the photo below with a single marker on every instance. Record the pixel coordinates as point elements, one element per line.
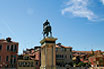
<point>46,29</point>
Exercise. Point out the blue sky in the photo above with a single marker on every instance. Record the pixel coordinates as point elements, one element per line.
<point>76,23</point>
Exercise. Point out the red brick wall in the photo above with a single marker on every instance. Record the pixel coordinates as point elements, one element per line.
<point>4,53</point>
<point>37,59</point>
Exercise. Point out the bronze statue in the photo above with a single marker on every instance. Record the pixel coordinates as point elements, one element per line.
<point>46,29</point>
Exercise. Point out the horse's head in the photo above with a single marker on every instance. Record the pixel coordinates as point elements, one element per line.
<point>46,23</point>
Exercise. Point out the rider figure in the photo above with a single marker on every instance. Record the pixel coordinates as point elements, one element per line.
<point>46,24</point>
<point>46,28</point>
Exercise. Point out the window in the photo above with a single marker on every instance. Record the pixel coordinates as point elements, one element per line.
<point>0,47</point>
<point>7,57</point>
<point>28,64</point>
<point>26,57</point>
<point>36,62</point>
<point>15,47</point>
<point>6,66</point>
<point>14,58</point>
<point>32,64</point>
<point>61,49</point>
<point>56,49</point>
<point>20,65</point>
<point>7,47</point>
<point>24,64</point>
<point>65,49</point>
<point>11,60</point>
<point>70,57</point>
<point>70,50</point>
<point>11,47</point>
<point>56,56</point>
<point>0,58</point>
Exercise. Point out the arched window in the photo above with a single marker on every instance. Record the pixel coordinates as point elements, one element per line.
<point>0,47</point>
<point>7,47</point>
<point>7,58</point>
<point>0,58</point>
<point>15,48</point>
<point>11,47</point>
<point>14,58</point>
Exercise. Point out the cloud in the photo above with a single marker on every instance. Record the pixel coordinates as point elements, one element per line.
<point>102,2</point>
<point>79,8</point>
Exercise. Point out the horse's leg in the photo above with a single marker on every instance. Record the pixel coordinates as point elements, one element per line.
<point>44,34</point>
<point>50,33</point>
<point>47,34</point>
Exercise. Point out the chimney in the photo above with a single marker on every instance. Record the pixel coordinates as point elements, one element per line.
<point>59,44</point>
<point>8,39</point>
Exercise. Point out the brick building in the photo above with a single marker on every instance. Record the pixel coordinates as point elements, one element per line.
<point>35,55</point>
<point>8,53</point>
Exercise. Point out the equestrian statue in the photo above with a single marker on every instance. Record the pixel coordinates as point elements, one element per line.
<point>47,29</point>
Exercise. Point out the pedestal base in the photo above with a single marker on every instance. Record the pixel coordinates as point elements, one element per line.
<point>48,67</point>
<point>48,55</point>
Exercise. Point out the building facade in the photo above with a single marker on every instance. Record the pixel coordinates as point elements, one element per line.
<point>25,62</point>
<point>63,55</point>
<point>8,53</point>
<point>34,55</point>
<point>37,57</point>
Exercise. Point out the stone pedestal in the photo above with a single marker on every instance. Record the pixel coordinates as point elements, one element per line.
<point>48,55</point>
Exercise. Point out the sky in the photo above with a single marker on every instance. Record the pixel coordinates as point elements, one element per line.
<point>76,23</point>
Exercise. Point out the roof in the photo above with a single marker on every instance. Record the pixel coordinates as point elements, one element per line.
<point>62,46</point>
<point>81,55</point>
<point>88,52</point>
<point>66,46</point>
<point>6,41</point>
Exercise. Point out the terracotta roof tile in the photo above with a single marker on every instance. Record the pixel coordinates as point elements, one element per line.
<point>66,46</point>
<point>57,46</point>
<point>83,52</point>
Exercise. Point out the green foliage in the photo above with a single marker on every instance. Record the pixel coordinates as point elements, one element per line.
<point>81,64</point>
